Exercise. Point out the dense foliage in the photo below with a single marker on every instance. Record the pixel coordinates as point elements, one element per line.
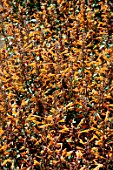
<point>56,85</point>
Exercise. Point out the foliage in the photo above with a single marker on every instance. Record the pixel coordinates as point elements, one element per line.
<point>56,85</point>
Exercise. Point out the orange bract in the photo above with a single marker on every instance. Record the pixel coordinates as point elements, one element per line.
<point>56,83</point>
